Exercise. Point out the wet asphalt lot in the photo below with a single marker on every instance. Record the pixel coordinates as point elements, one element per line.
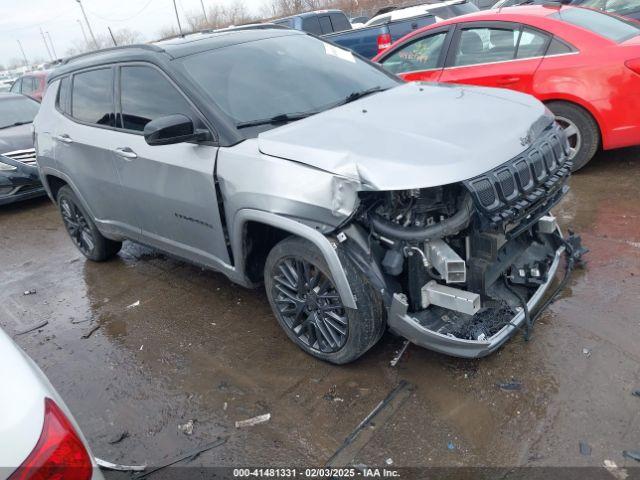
<point>198,348</point>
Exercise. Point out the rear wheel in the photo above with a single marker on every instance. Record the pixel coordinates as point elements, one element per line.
<point>305,301</point>
<point>82,230</point>
<point>581,130</point>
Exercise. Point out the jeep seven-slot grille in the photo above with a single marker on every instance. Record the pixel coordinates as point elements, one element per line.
<point>512,188</point>
<point>26,156</point>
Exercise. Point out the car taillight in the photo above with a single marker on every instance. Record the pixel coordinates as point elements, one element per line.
<point>59,453</point>
<point>384,42</point>
<point>633,65</point>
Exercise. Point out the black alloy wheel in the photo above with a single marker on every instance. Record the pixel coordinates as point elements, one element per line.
<point>309,304</point>
<point>77,226</point>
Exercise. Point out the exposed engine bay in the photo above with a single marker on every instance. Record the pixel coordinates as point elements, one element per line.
<point>463,261</point>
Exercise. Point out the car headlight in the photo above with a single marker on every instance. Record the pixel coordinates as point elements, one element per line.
<point>5,167</point>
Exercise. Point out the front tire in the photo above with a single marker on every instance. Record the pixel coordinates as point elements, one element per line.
<point>82,230</point>
<point>581,129</point>
<point>306,304</point>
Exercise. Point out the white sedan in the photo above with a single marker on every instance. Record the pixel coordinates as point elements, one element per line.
<point>39,438</point>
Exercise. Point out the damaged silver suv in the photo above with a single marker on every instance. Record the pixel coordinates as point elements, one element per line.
<point>361,202</point>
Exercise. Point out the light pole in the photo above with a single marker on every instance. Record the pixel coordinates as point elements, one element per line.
<point>177,17</point>
<point>46,44</point>
<point>88,24</point>
<point>53,49</point>
<point>86,41</point>
<point>26,62</point>
<point>204,12</point>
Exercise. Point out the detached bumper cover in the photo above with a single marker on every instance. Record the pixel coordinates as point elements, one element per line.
<point>403,324</point>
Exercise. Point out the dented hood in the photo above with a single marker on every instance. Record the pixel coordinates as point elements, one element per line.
<point>413,136</point>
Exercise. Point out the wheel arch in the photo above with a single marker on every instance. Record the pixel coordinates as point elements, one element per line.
<point>588,108</point>
<point>255,222</point>
<point>53,184</point>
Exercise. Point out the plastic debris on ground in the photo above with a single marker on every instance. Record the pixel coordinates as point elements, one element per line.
<point>122,468</point>
<point>134,304</point>
<point>632,454</point>
<point>91,332</point>
<point>397,358</point>
<point>585,449</point>
<point>513,385</point>
<point>35,327</point>
<point>120,437</point>
<point>250,422</point>
<point>29,292</point>
<point>186,428</point>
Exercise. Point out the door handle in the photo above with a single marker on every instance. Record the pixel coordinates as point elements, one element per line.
<point>126,152</point>
<point>508,80</point>
<point>64,138</point>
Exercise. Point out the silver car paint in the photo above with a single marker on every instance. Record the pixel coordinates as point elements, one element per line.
<point>302,177</point>
<point>404,138</point>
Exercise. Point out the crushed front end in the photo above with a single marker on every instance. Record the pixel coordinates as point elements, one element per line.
<point>462,267</point>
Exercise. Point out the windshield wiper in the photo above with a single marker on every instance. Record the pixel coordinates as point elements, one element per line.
<point>281,118</point>
<point>352,97</point>
<point>16,124</point>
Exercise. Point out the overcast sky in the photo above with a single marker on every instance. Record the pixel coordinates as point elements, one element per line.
<point>22,19</point>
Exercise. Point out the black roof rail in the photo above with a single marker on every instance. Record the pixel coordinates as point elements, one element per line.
<point>143,46</point>
<point>253,26</point>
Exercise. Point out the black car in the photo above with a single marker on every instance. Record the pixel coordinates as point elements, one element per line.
<point>19,178</point>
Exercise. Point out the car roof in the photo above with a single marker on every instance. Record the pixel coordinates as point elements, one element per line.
<point>10,95</point>
<point>310,14</point>
<point>407,12</point>
<point>173,48</point>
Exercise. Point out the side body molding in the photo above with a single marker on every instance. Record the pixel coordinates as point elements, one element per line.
<point>296,228</point>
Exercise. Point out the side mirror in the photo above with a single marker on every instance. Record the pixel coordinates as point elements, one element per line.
<point>172,129</point>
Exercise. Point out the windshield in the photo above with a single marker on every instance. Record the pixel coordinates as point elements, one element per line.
<point>282,76</point>
<point>17,111</point>
<point>621,7</point>
<point>608,26</point>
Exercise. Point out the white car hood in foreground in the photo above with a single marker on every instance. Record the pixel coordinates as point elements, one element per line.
<point>413,136</point>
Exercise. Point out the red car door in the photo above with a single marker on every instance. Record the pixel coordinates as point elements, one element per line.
<point>496,54</point>
<point>419,59</point>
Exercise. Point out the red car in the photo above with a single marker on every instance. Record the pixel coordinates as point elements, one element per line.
<point>32,84</point>
<point>584,64</point>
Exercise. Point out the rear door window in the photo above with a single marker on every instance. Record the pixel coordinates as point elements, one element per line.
<point>311,25</point>
<point>146,94</point>
<point>92,97</point>
<point>325,24</point>
<point>614,28</point>
<point>339,22</point>
<point>486,45</point>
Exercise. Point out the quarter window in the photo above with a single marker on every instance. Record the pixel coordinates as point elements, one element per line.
<point>92,97</point>
<point>422,54</point>
<point>486,45</point>
<point>63,95</point>
<point>556,47</point>
<point>532,44</point>
<point>146,94</point>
